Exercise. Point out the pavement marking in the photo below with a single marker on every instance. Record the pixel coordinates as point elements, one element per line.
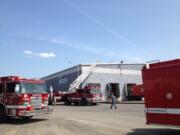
<point>132,117</point>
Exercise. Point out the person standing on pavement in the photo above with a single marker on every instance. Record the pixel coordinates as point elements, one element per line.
<point>113,101</point>
<point>50,96</point>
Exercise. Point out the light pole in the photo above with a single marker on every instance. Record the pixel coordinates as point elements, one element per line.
<point>120,67</point>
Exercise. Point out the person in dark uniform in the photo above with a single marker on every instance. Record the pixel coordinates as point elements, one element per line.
<point>113,101</point>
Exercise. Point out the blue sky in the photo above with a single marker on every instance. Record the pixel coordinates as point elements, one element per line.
<point>39,37</point>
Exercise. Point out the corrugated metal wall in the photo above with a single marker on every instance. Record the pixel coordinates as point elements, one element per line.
<point>122,74</point>
<point>104,74</point>
<point>61,81</point>
<point>105,79</point>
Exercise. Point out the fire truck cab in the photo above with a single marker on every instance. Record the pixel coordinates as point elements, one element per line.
<point>20,97</point>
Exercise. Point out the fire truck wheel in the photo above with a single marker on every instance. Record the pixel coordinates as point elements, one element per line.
<point>67,102</point>
<point>76,103</point>
<point>3,114</point>
<point>83,102</point>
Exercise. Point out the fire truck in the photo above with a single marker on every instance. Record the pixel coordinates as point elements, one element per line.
<point>83,96</point>
<point>161,82</point>
<point>90,94</point>
<point>20,97</point>
<point>137,92</point>
<point>134,92</point>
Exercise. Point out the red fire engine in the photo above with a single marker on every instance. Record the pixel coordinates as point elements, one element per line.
<point>21,97</point>
<point>83,96</point>
<point>162,92</point>
<point>90,94</point>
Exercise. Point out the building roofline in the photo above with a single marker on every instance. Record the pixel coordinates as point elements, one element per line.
<point>88,64</point>
<point>61,71</point>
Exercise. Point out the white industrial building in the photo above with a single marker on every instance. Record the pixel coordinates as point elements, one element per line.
<point>115,77</point>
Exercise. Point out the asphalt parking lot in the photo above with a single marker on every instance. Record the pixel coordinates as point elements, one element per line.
<point>128,119</point>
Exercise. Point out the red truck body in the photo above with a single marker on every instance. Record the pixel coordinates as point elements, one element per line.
<point>83,96</point>
<point>137,91</point>
<point>161,82</point>
<point>20,97</point>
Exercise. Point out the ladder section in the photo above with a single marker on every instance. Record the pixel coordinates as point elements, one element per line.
<point>76,83</point>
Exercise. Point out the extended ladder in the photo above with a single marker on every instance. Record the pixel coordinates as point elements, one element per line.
<point>76,83</point>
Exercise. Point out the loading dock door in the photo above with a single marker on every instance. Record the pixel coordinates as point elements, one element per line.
<point>112,88</point>
<point>128,91</point>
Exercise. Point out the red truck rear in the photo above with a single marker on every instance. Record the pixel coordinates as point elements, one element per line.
<point>162,92</point>
<point>137,92</point>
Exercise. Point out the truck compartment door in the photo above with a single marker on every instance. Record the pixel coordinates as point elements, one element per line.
<point>172,85</point>
<point>155,100</point>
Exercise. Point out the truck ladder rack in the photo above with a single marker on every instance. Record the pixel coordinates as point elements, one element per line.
<point>76,83</point>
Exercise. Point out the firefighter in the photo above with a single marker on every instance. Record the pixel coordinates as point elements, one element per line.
<point>51,96</point>
<point>113,101</point>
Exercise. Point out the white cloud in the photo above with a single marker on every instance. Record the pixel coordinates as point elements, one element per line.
<point>96,50</point>
<point>28,52</point>
<point>42,54</point>
<point>84,47</point>
<point>46,55</point>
